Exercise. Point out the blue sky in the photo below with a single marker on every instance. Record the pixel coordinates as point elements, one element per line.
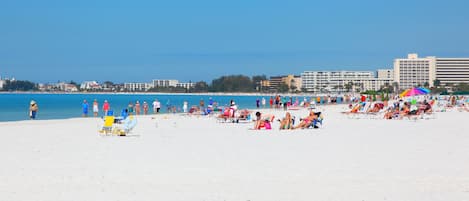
<point>47,41</point>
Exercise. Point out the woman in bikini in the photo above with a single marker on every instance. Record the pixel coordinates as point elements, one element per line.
<point>306,122</point>
<point>286,123</point>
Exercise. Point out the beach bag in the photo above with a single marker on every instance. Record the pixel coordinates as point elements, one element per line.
<point>267,125</point>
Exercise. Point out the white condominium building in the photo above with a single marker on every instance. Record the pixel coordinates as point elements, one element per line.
<point>336,81</point>
<point>385,73</point>
<point>185,85</point>
<point>452,70</point>
<point>165,83</point>
<point>414,71</point>
<point>137,86</point>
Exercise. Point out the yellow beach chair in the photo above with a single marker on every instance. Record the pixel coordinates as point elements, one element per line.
<point>108,125</point>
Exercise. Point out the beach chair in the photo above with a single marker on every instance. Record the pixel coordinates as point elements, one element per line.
<point>228,115</point>
<point>243,116</point>
<point>317,123</point>
<point>108,125</point>
<point>126,127</point>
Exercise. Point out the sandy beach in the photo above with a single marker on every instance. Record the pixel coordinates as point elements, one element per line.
<point>176,157</point>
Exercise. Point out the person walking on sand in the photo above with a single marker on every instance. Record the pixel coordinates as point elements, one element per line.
<point>106,107</point>
<point>137,108</point>
<point>258,103</point>
<point>145,108</point>
<point>95,108</point>
<point>33,108</point>
<point>85,107</point>
<point>263,102</point>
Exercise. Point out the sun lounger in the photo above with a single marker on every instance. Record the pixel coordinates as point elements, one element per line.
<point>108,125</point>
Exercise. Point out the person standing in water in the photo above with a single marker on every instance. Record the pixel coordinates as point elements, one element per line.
<point>184,106</point>
<point>106,107</point>
<point>130,108</point>
<point>145,108</point>
<point>95,108</point>
<point>137,108</point>
<point>33,108</point>
<point>85,107</point>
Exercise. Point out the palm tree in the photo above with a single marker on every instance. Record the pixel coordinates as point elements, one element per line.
<point>395,86</point>
<point>349,86</point>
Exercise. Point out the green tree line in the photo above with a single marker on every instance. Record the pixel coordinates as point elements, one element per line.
<point>19,85</point>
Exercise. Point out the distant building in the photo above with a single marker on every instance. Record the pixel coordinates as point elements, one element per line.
<point>90,85</point>
<point>385,74</point>
<point>2,82</point>
<point>137,86</point>
<point>187,85</point>
<point>265,85</point>
<point>293,80</point>
<point>337,81</point>
<point>165,83</point>
<point>414,71</point>
<point>66,87</point>
<point>274,82</point>
<point>452,70</point>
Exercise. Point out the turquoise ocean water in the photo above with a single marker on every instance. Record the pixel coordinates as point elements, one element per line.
<point>15,106</point>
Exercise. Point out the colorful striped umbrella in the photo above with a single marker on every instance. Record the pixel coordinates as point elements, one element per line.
<point>415,92</point>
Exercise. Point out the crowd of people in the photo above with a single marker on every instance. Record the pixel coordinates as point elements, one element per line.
<point>407,107</point>
<point>396,108</point>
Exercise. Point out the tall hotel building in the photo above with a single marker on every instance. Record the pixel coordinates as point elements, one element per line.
<point>414,71</point>
<point>452,70</point>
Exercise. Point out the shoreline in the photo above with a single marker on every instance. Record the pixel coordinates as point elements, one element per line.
<point>185,94</point>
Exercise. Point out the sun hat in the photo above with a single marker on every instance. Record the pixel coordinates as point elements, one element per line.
<point>33,102</point>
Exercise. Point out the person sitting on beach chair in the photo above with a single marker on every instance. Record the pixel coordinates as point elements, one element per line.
<point>391,112</point>
<point>307,121</point>
<point>226,114</point>
<point>244,115</point>
<point>317,121</point>
<point>355,109</point>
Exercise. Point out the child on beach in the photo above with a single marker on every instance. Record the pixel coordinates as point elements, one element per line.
<point>33,108</point>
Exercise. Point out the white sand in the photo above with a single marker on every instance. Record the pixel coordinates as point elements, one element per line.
<point>195,158</point>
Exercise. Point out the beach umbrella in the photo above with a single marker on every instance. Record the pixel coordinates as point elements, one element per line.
<point>415,91</point>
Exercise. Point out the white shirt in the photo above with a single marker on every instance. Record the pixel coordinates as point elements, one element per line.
<point>156,104</point>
